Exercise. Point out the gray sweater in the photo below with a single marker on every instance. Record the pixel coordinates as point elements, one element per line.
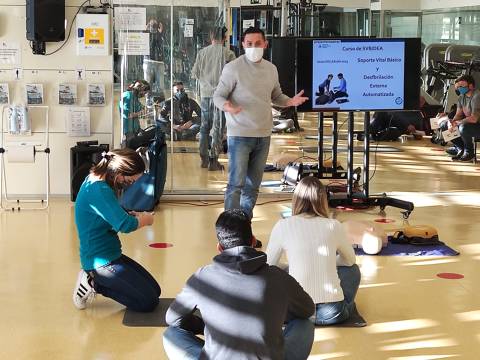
<point>253,87</point>
<point>243,302</point>
<point>208,67</point>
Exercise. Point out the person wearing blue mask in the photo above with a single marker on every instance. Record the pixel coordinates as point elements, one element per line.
<point>179,112</point>
<point>466,118</point>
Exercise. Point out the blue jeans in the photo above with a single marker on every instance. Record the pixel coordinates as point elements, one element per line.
<point>469,131</point>
<point>247,157</point>
<point>337,312</point>
<point>180,344</point>
<point>212,118</point>
<point>127,282</point>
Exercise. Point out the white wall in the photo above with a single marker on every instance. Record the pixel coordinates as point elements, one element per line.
<point>400,5</point>
<point>50,71</point>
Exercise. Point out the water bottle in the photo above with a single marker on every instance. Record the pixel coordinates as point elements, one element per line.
<point>13,127</point>
<point>24,120</point>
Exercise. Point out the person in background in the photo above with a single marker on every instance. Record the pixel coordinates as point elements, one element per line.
<point>131,108</point>
<point>247,88</point>
<point>153,63</point>
<point>99,217</point>
<point>249,310</point>
<point>207,69</point>
<point>320,257</point>
<point>340,90</point>
<point>185,125</point>
<point>466,119</point>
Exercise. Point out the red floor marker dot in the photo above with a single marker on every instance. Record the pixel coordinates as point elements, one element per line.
<point>450,276</point>
<point>344,208</point>
<point>160,245</point>
<point>384,221</point>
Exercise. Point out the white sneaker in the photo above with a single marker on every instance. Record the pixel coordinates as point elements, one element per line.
<point>83,291</point>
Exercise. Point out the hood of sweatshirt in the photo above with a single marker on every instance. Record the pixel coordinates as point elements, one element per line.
<point>241,259</point>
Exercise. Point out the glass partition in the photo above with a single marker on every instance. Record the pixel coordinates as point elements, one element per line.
<point>167,60</point>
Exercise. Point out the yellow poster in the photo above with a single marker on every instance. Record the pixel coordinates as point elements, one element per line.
<point>94,36</point>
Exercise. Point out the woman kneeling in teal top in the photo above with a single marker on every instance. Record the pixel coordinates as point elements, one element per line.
<point>99,217</point>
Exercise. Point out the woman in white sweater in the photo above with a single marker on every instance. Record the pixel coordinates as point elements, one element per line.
<point>320,257</point>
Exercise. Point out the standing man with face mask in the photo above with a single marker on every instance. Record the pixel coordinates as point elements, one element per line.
<point>247,88</point>
<point>207,69</point>
<point>466,118</point>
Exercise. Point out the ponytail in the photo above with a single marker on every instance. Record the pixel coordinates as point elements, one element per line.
<point>116,163</point>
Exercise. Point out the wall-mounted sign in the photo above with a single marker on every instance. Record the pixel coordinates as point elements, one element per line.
<point>10,53</point>
<point>92,34</point>
<point>130,18</point>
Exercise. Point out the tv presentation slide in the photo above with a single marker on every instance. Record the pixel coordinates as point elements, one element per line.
<point>358,75</point>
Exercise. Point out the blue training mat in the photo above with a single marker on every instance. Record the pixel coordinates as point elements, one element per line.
<point>413,250</point>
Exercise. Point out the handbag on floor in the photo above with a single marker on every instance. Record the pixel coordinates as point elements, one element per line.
<point>144,194</point>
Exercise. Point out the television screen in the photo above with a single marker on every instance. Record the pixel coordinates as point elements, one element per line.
<point>359,74</point>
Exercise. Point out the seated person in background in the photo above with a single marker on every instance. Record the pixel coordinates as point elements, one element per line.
<point>340,90</point>
<point>244,304</point>
<point>466,118</point>
<point>320,257</point>
<point>99,217</point>
<point>185,126</point>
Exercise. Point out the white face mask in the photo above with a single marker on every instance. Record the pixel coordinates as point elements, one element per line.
<point>254,54</point>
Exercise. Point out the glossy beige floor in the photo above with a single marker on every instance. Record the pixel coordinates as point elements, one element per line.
<point>412,314</point>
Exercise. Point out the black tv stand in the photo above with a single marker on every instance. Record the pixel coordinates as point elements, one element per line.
<point>352,196</point>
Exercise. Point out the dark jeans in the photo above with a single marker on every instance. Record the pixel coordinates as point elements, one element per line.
<point>212,118</point>
<point>467,132</point>
<point>247,157</point>
<point>127,282</point>
<point>180,344</point>
<point>338,94</point>
<point>337,312</point>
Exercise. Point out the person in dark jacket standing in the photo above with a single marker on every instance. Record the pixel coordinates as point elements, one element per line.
<point>249,309</point>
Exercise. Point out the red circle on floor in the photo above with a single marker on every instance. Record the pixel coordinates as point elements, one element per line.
<point>160,245</point>
<point>344,208</point>
<point>384,221</point>
<point>451,276</point>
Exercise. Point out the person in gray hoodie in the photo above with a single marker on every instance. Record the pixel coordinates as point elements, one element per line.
<point>248,309</point>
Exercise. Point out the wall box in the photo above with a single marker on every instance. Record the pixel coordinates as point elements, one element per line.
<point>92,34</point>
